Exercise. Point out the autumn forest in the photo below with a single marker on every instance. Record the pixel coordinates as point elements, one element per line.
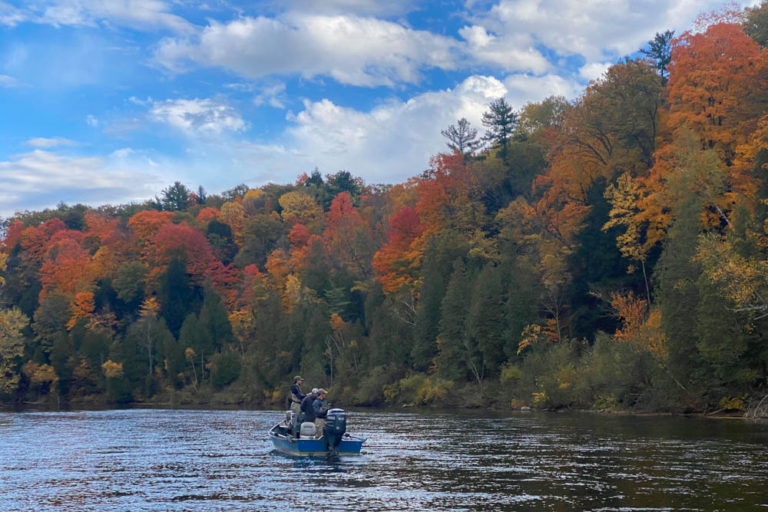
<point>606,253</point>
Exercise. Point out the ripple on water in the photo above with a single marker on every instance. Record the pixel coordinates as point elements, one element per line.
<point>222,460</point>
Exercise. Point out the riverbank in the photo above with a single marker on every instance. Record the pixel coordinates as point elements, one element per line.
<point>214,403</point>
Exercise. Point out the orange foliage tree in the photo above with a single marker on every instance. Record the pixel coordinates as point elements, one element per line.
<point>67,265</point>
<point>343,233</point>
<point>399,260</point>
<point>718,91</point>
<point>187,243</point>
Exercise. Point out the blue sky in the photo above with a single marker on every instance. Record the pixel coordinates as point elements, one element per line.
<point>110,101</point>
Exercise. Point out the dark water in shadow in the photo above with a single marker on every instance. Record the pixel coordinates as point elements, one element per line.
<point>222,460</point>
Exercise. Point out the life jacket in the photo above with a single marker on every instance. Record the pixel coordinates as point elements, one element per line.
<point>295,394</point>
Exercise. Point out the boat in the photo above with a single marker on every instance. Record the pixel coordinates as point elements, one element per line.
<point>334,441</point>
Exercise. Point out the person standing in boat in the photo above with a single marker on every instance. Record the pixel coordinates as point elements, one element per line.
<point>306,412</point>
<point>320,409</point>
<point>296,395</point>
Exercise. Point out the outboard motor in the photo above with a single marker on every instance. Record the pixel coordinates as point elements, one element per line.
<point>335,427</point>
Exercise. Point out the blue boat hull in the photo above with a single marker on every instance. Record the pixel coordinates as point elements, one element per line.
<point>349,445</point>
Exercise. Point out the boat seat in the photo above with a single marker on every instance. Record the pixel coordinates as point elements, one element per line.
<point>307,430</point>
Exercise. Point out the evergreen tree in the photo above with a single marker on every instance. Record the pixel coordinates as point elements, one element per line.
<point>677,274</point>
<point>214,321</point>
<point>50,324</point>
<point>196,344</point>
<point>501,122</point>
<point>173,355</point>
<point>521,301</point>
<point>659,51</point>
<point>177,296</point>
<point>720,339</point>
<point>454,360</point>
<point>485,322</point>
<point>174,198</point>
<point>222,240</point>
<point>441,251</point>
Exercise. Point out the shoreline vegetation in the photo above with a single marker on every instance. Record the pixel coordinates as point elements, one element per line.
<point>179,401</point>
<point>47,406</point>
<point>608,253</point>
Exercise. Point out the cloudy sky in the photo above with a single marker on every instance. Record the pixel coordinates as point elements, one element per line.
<point>110,101</point>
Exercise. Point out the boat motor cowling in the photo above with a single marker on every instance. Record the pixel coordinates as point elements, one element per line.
<point>335,427</point>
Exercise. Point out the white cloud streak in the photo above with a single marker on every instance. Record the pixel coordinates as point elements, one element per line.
<point>8,81</point>
<point>10,15</point>
<point>49,142</point>
<point>272,95</point>
<point>198,116</point>
<point>359,7</point>
<point>352,50</point>
<point>42,179</point>
<point>134,14</point>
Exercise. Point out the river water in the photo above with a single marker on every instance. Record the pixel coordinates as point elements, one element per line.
<point>175,460</point>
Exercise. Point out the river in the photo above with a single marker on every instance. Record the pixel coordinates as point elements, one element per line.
<point>178,460</point>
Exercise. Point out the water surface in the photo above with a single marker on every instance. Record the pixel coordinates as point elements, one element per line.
<point>222,460</point>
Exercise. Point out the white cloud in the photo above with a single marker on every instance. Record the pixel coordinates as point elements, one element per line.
<point>364,7</point>
<point>198,116</point>
<point>8,81</point>
<point>395,140</point>
<point>272,95</point>
<point>49,142</point>
<point>594,29</point>
<point>511,52</point>
<point>353,50</point>
<point>523,89</point>
<point>343,39</point>
<point>135,14</point>
<point>41,179</point>
<point>10,15</point>
<point>594,70</point>
<point>386,144</point>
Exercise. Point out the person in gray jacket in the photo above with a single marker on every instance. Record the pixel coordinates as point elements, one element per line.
<point>320,408</point>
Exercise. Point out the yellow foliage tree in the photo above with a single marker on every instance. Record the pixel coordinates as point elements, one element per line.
<point>744,281</point>
<point>631,312</point>
<point>301,208</point>
<point>112,370</point>
<point>3,266</point>
<point>624,199</point>
<point>41,374</point>
<point>233,214</point>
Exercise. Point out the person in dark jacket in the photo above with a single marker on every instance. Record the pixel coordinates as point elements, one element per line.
<point>320,408</point>
<point>307,413</point>
<point>296,395</point>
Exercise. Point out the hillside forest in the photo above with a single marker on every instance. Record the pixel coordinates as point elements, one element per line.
<point>609,253</point>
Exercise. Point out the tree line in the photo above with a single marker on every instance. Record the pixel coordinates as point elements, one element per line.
<point>609,252</point>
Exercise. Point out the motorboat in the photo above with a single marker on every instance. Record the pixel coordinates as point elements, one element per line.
<point>303,439</point>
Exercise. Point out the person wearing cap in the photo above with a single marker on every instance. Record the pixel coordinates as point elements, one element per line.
<point>320,409</point>
<point>296,395</point>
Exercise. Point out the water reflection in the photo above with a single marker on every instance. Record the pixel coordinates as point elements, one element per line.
<point>222,460</point>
